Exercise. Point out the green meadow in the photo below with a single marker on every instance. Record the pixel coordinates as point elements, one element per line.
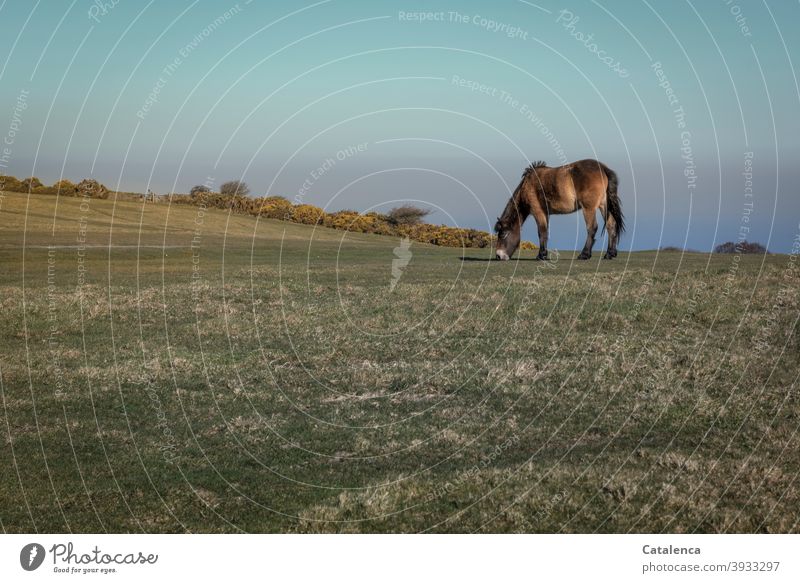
<point>166,368</point>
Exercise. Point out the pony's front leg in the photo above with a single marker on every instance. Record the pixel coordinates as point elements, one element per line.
<point>541,223</point>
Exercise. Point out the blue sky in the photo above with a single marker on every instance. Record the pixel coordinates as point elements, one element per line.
<point>364,104</point>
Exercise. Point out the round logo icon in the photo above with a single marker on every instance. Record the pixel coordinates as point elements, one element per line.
<point>31,556</point>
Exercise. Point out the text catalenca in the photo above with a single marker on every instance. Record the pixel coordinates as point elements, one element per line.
<point>670,550</point>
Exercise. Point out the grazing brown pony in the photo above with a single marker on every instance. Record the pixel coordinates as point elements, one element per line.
<point>543,191</point>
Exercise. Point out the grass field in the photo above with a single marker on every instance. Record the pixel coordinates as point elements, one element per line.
<point>209,372</point>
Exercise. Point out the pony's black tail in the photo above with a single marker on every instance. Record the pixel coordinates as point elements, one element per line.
<point>613,205</point>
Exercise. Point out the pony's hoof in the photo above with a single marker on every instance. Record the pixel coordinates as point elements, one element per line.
<point>541,258</point>
<point>584,256</point>
<point>609,255</point>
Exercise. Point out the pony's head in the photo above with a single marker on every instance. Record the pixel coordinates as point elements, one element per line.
<point>509,225</point>
<point>508,236</point>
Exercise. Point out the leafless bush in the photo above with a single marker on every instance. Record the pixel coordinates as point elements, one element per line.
<point>407,215</point>
<point>234,188</point>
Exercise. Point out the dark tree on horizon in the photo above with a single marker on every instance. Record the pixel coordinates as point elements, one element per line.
<point>407,215</point>
<point>199,189</point>
<point>744,247</point>
<point>234,188</point>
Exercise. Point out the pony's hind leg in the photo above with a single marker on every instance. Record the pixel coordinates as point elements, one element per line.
<point>613,235</point>
<point>590,216</point>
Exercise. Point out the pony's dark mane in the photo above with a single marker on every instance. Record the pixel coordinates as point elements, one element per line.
<point>532,168</point>
<point>517,207</point>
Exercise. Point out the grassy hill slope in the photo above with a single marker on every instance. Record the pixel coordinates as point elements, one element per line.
<point>168,369</point>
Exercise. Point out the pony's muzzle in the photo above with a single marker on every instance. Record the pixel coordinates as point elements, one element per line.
<point>502,255</point>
